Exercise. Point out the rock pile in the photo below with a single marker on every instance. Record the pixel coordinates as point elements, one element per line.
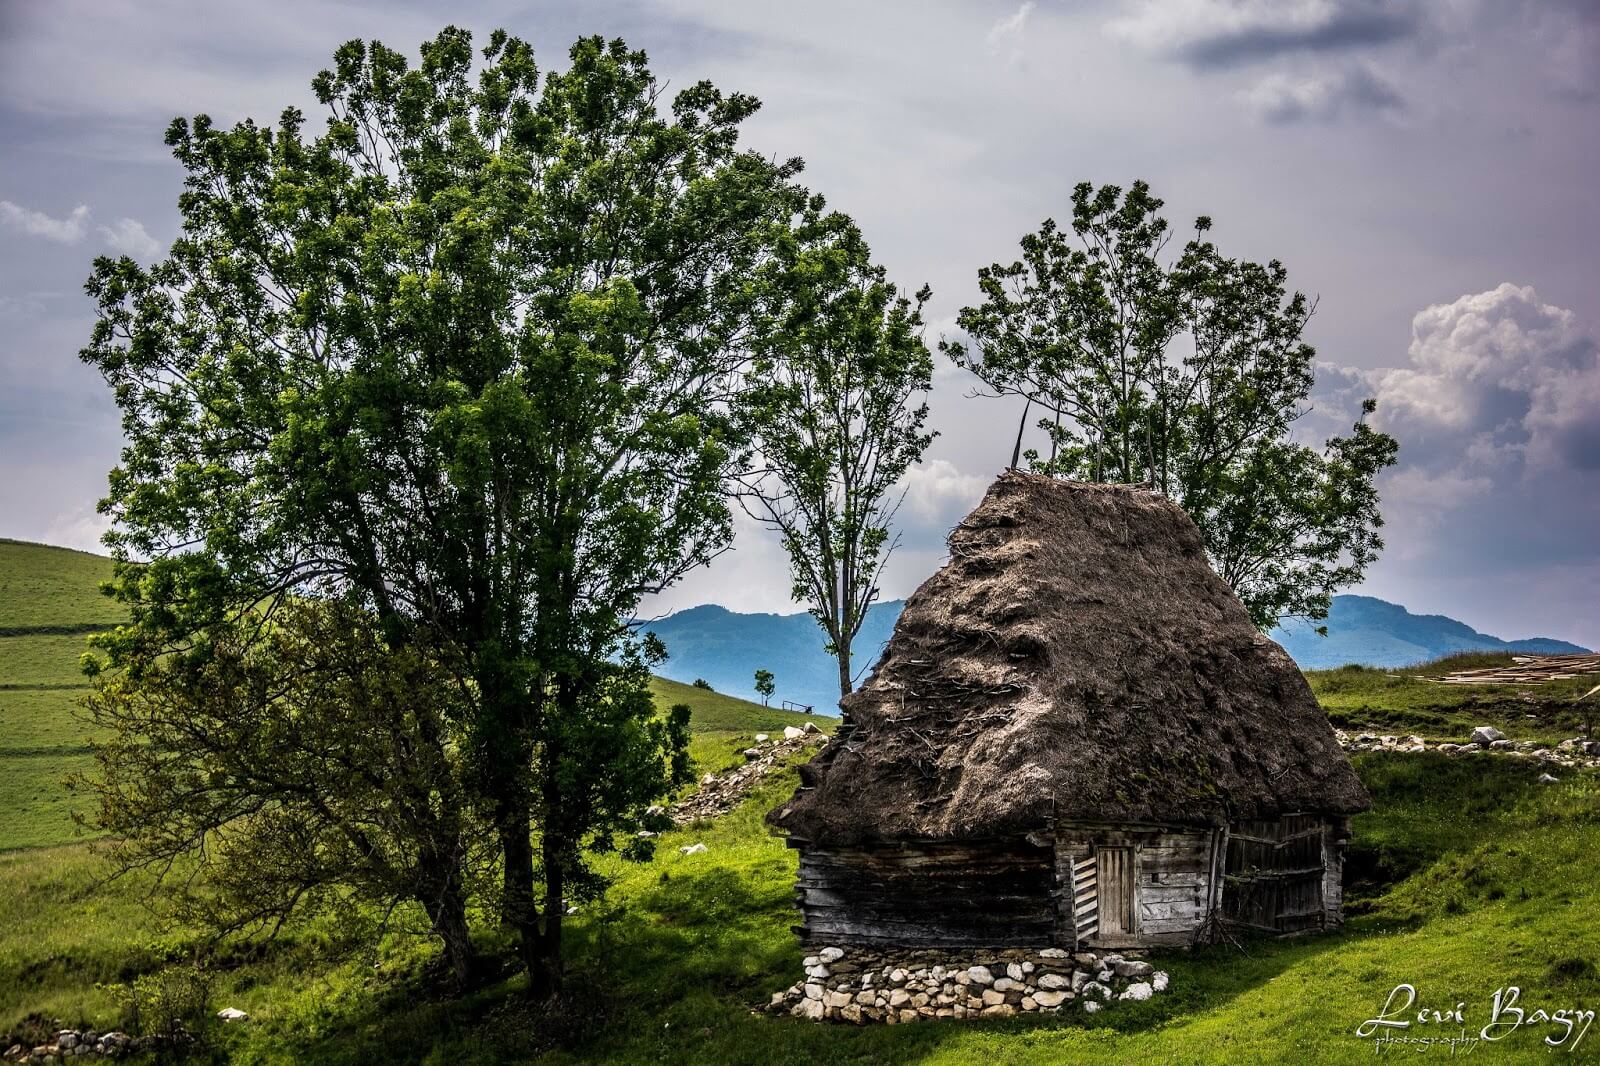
<point>1575,752</point>
<point>861,987</point>
<point>76,1043</point>
<point>720,793</point>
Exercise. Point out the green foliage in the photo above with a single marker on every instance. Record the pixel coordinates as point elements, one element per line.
<point>836,407</point>
<point>766,685</point>
<point>702,683</point>
<point>288,766</point>
<point>1187,374</point>
<point>466,360</point>
<point>174,1003</point>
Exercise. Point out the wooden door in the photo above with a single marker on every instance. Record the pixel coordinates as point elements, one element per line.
<point>1114,884</point>
<point>1274,874</point>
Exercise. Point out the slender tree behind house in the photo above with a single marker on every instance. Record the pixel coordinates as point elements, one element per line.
<point>836,405</point>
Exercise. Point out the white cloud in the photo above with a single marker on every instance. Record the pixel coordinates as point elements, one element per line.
<point>129,236</point>
<point>1497,379</point>
<point>1006,35</point>
<point>1358,89</point>
<point>938,494</point>
<point>67,230</point>
<point>81,528</point>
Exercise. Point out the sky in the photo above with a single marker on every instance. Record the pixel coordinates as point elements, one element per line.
<point>1426,169</point>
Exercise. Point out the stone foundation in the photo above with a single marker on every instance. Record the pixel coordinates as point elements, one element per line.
<point>862,986</point>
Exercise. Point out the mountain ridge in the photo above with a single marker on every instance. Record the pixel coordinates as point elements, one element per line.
<point>725,647</point>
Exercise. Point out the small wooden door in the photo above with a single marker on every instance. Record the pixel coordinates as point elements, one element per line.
<point>1114,881</point>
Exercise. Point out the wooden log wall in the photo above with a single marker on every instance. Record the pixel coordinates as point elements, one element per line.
<point>979,894</point>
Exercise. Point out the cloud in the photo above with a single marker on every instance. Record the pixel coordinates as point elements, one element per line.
<point>1229,33</point>
<point>1283,98</point>
<point>1006,35</point>
<point>1497,411</point>
<point>938,494</point>
<point>1498,380</point>
<point>129,236</point>
<point>80,528</point>
<point>67,230</point>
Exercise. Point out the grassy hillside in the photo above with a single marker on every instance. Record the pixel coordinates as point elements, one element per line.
<point>1404,701</point>
<point>1467,876</point>
<point>49,602</point>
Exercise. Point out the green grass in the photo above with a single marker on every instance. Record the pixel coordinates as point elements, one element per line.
<point>1466,876</point>
<point>51,588</point>
<point>1404,701</point>
<point>667,968</point>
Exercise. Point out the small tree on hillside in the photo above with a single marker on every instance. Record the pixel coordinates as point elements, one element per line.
<point>1186,373</point>
<point>836,405</point>
<point>765,685</point>
<point>302,767</point>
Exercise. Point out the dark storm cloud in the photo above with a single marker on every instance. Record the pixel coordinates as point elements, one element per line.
<point>1216,34</point>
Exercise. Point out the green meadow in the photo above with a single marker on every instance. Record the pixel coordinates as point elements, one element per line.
<point>1469,876</point>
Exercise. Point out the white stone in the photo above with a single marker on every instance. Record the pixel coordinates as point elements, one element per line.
<point>1486,734</point>
<point>1054,981</point>
<point>819,972</point>
<point>709,779</point>
<point>897,977</point>
<point>1029,1003</point>
<point>831,954</point>
<point>791,733</point>
<point>980,975</point>
<point>762,738</point>
<point>1053,953</point>
<point>1548,779</point>
<point>1139,990</point>
<point>232,1014</point>
<point>836,1000</point>
<point>694,849</point>
<point>1027,967</point>
<point>1005,984</point>
<point>1098,989</point>
<point>1134,969</point>
<point>811,727</point>
<point>992,998</point>
<point>814,990</point>
<point>1090,1007</point>
<point>899,998</point>
<point>1014,971</point>
<point>1158,981</point>
<point>810,1008</point>
<point>1049,999</point>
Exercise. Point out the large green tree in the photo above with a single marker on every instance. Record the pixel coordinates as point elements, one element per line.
<point>463,358</point>
<point>837,406</point>
<point>1186,371</point>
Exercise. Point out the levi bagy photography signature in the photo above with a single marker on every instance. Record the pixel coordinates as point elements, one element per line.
<point>1406,1023</point>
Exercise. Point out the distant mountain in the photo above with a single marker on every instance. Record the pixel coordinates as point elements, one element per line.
<point>1374,632</point>
<point>726,648</point>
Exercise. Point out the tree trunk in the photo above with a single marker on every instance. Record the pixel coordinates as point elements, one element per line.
<point>447,910</point>
<point>845,687</point>
<point>544,970</point>
<point>518,912</point>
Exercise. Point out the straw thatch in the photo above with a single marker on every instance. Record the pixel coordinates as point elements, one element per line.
<point>1076,660</point>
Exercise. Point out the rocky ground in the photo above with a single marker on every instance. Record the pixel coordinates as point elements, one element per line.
<point>76,1043</point>
<point>1575,752</point>
<point>720,793</point>
<point>861,986</point>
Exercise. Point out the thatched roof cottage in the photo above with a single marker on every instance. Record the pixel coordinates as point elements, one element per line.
<point>1074,736</point>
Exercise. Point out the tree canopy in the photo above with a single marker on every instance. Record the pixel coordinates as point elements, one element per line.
<point>1187,372</point>
<point>462,360</point>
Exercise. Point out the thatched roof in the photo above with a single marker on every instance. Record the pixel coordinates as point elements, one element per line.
<point>1076,659</point>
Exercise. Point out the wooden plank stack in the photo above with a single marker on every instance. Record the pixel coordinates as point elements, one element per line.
<point>1526,670</point>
